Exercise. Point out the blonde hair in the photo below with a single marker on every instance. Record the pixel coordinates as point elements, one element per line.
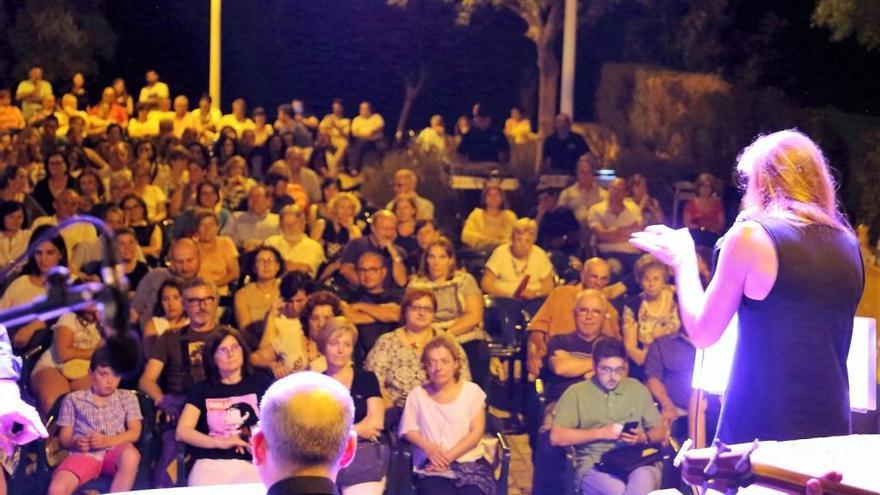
<point>444,341</point>
<point>336,325</point>
<point>525,224</point>
<point>787,176</point>
<point>331,205</point>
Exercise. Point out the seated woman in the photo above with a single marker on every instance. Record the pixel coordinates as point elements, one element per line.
<point>153,196</point>
<point>149,235</point>
<point>236,183</point>
<point>519,269</point>
<point>14,235</point>
<point>405,210</point>
<point>64,367</point>
<point>652,213</point>
<point>254,300</point>
<point>651,314</point>
<point>490,226</point>
<point>445,419</point>
<point>330,187</point>
<point>169,314</point>
<point>208,197</point>
<point>334,233</point>
<point>218,256</point>
<point>31,283</point>
<point>366,474</point>
<point>704,213</point>
<point>283,347</point>
<point>459,303</point>
<point>91,192</point>
<point>396,356</point>
<point>321,307</point>
<point>300,252</point>
<point>221,412</point>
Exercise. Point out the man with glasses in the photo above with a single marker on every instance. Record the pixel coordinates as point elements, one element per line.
<point>176,362</point>
<point>591,416</point>
<point>374,309</point>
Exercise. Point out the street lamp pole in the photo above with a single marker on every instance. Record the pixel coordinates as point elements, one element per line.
<point>214,58</point>
<point>569,42</point>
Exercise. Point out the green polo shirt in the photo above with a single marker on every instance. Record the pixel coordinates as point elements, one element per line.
<point>587,405</point>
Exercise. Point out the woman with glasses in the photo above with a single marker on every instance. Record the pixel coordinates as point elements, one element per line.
<point>283,347</point>
<point>366,474</point>
<point>148,234</point>
<point>254,300</point>
<point>57,179</point>
<point>444,419</point>
<point>396,356</point>
<point>220,414</point>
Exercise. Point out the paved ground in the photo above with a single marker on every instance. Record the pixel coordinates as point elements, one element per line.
<point>520,465</point>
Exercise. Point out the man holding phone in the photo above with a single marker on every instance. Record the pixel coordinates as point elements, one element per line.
<point>608,411</point>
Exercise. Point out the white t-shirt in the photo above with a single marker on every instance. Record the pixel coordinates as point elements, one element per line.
<point>229,120</point>
<point>307,250</point>
<point>443,424</point>
<point>153,197</point>
<point>158,90</point>
<point>579,201</point>
<point>21,291</point>
<point>363,128</point>
<point>510,271</point>
<point>601,216</point>
<point>288,342</point>
<point>11,247</point>
<point>72,234</point>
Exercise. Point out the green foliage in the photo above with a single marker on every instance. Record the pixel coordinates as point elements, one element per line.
<point>845,18</point>
<point>63,36</point>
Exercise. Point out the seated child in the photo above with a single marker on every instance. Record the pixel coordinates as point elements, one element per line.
<point>98,426</point>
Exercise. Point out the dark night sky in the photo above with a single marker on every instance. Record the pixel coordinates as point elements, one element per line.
<point>274,50</point>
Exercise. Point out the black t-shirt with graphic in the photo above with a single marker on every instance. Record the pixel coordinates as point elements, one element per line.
<point>227,410</point>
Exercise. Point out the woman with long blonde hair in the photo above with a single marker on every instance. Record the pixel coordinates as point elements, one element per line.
<point>790,268</point>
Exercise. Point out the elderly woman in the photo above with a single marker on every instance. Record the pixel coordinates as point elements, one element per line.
<point>365,476</point>
<point>704,213</point>
<point>519,269</point>
<point>218,256</point>
<point>169,314</point>
<point>445,419</point>
<point>396,356</point>
<point>221,413</point>
<point>488,227</point>
<point>459,303</point>
<point>300,252</point>
<point>254,300</point>
<point>283,347</point>
<point>334,233</point>
<point>651,314</point>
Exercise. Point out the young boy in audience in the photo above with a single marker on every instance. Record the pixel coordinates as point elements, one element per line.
<point>99,427</point>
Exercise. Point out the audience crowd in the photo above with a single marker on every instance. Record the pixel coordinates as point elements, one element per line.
<point>251,254</point>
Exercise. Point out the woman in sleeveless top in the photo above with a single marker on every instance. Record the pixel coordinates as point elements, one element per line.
<point>791,269</point>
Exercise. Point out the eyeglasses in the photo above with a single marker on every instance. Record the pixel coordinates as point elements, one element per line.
<point>421,309</point>
<point>229,351</point>
<point>201,301</point>
<point>607,370</point>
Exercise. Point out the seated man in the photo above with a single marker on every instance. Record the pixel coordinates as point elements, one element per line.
<point>558,229</point>
<point>613,220</point>
<point>591,415</point>
<point>248,229</point>
<point>374,309</point>
<point>405,182</point>
<point>669,369</point>
<point>555,316</point>
<point>563,147</point>
<point>380,240</point>
<point>569,361</point>
<point>184,262</point>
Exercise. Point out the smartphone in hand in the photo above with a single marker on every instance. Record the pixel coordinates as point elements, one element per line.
<point>630,426</point>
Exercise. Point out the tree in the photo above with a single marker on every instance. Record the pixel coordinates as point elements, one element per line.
<point>63,36</point>
<point>845,18</point>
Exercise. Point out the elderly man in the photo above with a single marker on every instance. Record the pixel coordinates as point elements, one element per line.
<point>380,240</point>
<point>248,229</point>
<point>185,263</point>
<point>569,361</point>
<point>405,182</point>
<point>295,157</point>
<point>555,317</point>
<point>305,435</point>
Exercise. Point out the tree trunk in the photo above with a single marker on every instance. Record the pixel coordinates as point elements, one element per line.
<point>413,88</point>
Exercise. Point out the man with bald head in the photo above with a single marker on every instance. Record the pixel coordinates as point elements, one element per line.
<point>305,435</point>
<point>184,263</point>
<point>612,221</point>
<point>381,240</point>
<point>405,182</point>
<point>555,316</point>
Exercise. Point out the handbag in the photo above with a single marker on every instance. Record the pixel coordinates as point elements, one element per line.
<point>621,461</point>
<point>370,464</point>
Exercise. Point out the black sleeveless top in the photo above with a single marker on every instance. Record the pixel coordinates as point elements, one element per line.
<point>789,378</point>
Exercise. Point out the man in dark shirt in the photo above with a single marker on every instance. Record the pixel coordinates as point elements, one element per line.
<point>380,240</point>
<point>669,368</point>
<point>569,360</point>
<point>305,435</point>
<point>558,228</point>
<point>483,143</point>
<point>372,308</point>
<point>563,148</point>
